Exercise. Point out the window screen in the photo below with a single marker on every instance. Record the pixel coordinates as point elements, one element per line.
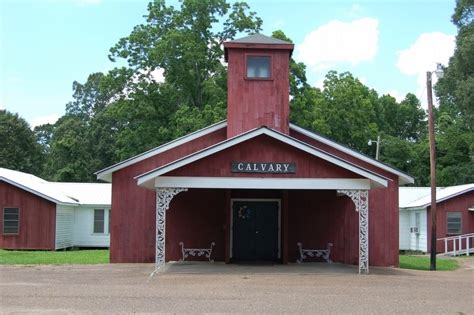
<point>11,220</point>
<point>259,67</point>
<point>99,220</point>
<point>454,223</point>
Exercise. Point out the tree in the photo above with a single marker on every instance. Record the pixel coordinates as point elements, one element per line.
<point>455,116</point>
<point>126,111</point>
<point>19,149</point>
<point>182,43</point>
<point>456,89</point>
<point>411,118</point>
<point>68,157</point>
<point>348,112</point>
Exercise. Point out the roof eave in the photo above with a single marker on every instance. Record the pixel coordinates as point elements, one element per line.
<point>403,178</point>
<point>37,193</point>
<point>145,179</point>
<point>106,173</point>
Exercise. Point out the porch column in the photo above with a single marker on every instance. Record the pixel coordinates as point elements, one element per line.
<point>163,199</point>
<point>361,201</point>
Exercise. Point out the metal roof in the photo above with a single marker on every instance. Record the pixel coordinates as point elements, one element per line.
<point>420,197</point>
<point>61,193</point>
<point>85,193</point>
<point>259,39</point>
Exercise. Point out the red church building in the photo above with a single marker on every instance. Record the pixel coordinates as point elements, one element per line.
<point>255,185</point>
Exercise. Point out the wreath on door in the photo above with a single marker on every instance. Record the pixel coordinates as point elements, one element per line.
<point>244,213</point>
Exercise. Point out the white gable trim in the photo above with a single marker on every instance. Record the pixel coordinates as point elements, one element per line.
<point>258,183</point>
<point>403,178</point>
<point>143,179</point>
<point>37,193</point>
<point>106,173</point>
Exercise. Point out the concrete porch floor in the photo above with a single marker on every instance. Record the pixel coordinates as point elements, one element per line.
<point>203,267</point>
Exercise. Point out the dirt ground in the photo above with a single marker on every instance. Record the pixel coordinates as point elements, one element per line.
<point>218,288</point>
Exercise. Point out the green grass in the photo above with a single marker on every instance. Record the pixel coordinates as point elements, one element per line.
<point>423,263</point>
<point>16,257</point>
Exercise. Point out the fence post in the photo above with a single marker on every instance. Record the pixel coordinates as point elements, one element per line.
<point>468,248</point>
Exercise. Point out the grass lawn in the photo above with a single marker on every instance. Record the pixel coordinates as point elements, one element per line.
<point>423,263</point>
<point>17,257</point>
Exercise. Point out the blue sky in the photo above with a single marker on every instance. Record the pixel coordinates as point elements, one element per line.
<point>45,45</point>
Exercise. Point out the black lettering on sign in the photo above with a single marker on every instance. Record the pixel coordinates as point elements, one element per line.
<point>263,167</point>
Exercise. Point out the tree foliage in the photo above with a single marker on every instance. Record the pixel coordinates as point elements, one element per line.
<point>18,148</point>
<point>130,109</point>
<point>455,116</point>
<point>456,89</point>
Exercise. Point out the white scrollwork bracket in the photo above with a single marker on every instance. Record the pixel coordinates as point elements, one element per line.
<point>163,199</point>
<point>361,201</point>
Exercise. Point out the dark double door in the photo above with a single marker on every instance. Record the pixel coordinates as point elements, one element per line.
<point>255,230</point>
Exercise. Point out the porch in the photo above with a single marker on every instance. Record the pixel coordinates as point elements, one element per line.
<point>199,216</point>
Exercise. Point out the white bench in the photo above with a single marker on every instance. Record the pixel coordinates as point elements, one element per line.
<point>323,253</point>
<point>196,252</point>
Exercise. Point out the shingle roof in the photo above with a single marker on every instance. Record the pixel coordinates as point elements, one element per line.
<point>260,39</point>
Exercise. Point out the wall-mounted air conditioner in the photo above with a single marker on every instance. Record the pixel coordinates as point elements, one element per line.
<point>415,230</point>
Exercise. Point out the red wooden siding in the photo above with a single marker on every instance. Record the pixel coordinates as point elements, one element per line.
<point>317,218</point>
<point>383,209</point>
<point>256,103</point>
<point>263,149</point>
<point>459,203</point>
<point>197,217</point>
<point>133,207</point>
<point>37,219</point>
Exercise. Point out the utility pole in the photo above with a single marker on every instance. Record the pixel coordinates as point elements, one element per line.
<point>377,150</point>
<point>431,132</point>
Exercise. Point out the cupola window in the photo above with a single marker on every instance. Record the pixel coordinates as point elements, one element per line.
<point>259,67</point>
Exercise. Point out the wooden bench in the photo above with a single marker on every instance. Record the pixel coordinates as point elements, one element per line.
<point>323,253</point>
<point>186,252</point>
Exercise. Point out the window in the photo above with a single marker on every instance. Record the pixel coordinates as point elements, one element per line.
<point>11,220</point>
<point>259,67</point>
<point>454,223</point>
<point>99,220</point>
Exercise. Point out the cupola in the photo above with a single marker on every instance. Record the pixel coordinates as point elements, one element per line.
<point>257,83</point>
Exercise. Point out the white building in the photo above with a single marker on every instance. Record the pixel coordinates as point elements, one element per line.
<point>37,214</point>
<point>455,215</point>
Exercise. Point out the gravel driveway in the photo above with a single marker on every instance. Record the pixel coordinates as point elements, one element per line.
<point>211,288</point>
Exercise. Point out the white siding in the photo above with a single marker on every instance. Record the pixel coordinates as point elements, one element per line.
<point>413,241</point>
<point>84,227</point>
<point>404,230</point>
<point>418,241</point>
<point>64,226</point>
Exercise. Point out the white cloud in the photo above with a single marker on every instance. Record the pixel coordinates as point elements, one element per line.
<point>2,107</point>
<point>340,42</point>
<point>423,55</point>
<point>41,120</point>
<point>396,94</point>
